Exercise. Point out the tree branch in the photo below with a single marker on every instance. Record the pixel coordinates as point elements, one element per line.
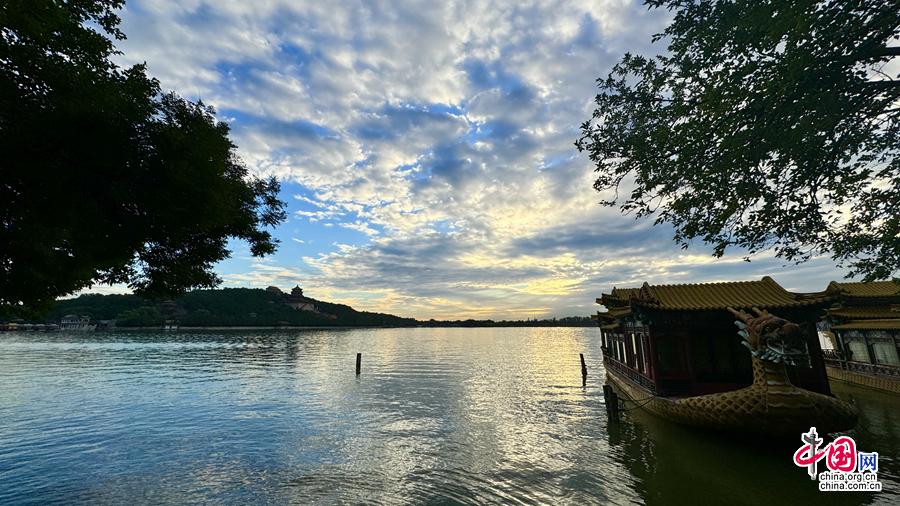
<point>884,84</point>
<point>882,52</point>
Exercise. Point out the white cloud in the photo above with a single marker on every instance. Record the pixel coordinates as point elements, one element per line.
<point>442,131</point>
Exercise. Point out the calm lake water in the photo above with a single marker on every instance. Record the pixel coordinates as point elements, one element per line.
<point>438,416</point>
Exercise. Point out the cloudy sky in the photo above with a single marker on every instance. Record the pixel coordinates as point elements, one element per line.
<point>425,149</point>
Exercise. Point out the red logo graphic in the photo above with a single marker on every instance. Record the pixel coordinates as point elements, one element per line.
<point>848,470</point>
<point>840,454</point>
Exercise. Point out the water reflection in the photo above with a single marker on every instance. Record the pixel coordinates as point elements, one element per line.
<point>437,416</point>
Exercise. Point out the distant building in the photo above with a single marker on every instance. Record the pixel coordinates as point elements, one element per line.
<point>19,324</point>
<point>296,300</point>
<point>76,322</point>
<point>299,302</point>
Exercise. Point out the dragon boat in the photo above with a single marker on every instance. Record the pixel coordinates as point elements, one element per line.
<point>673,350</point>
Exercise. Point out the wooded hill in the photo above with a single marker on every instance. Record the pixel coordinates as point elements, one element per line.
<point>223,307</point>
<point>252,307</point>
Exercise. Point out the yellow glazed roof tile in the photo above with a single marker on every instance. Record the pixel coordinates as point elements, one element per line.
<point>865,313</point>
<point>765,293</point>
<point>625,293</point>
<point>870,289</point>
<point>869,325</point>
<point>614,313</point>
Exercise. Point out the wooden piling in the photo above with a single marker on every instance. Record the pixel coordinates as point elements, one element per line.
<point>583,366</point>
<point>611,399</point>
<point>358,362</point>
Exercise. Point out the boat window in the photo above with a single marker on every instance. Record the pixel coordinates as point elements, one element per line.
<point>644,353</point>
<point>856,347</point>
<point>635,352</point>
<point>883,348</point>
<point>724,353</point>
<point>639,351</point>
<point>716,359</point>
<point>702,358</point>
<point>670,355</point>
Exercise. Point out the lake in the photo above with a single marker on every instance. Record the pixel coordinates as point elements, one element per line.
<point>438,416</point>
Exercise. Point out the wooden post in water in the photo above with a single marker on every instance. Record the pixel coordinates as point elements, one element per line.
<point>583,370</point>
<point>358,362</point>
<point>611,399</point>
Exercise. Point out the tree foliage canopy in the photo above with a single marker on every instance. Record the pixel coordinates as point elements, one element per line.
<point>768,124</point>
<point>105,178</point>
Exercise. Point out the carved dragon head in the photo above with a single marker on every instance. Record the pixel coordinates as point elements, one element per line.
<point>771,338</point>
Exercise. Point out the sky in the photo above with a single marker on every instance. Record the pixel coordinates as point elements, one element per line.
<point>426,149</point>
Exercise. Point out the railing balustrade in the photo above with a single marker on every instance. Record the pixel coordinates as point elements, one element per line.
<point>873,369</point>
<point>835,358</point>
<point>633,375</point>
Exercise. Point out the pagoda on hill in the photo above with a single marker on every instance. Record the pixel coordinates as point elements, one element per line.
<point>295,299</point>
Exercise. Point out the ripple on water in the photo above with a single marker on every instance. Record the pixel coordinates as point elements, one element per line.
<point>467,416</point>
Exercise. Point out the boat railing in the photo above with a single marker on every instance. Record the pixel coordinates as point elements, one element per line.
<point>630,373</point>
<point>832,355</point>
<point>873,369</point>
<point>834,358</point>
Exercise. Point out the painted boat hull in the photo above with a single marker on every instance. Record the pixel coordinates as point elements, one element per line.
<point>880,383</point>
<point>768,406</point>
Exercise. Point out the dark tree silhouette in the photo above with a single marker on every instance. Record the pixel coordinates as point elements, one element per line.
<point>768,124</point>
<point>104,178</point>
<point>221,307</point>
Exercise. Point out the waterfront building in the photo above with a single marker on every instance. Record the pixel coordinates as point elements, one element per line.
<point>864,330</point>
<point>76,323</point>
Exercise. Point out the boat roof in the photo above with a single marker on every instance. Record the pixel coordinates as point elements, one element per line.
<point>764,293</point>
<point>867,289</point>
<point>866,312</point>
<point>613,314</point>
<point>893,324</point>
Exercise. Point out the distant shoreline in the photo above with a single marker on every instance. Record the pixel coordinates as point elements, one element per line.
<point>346,327</point>
<point>252,309</point>
<point>256,327</point>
